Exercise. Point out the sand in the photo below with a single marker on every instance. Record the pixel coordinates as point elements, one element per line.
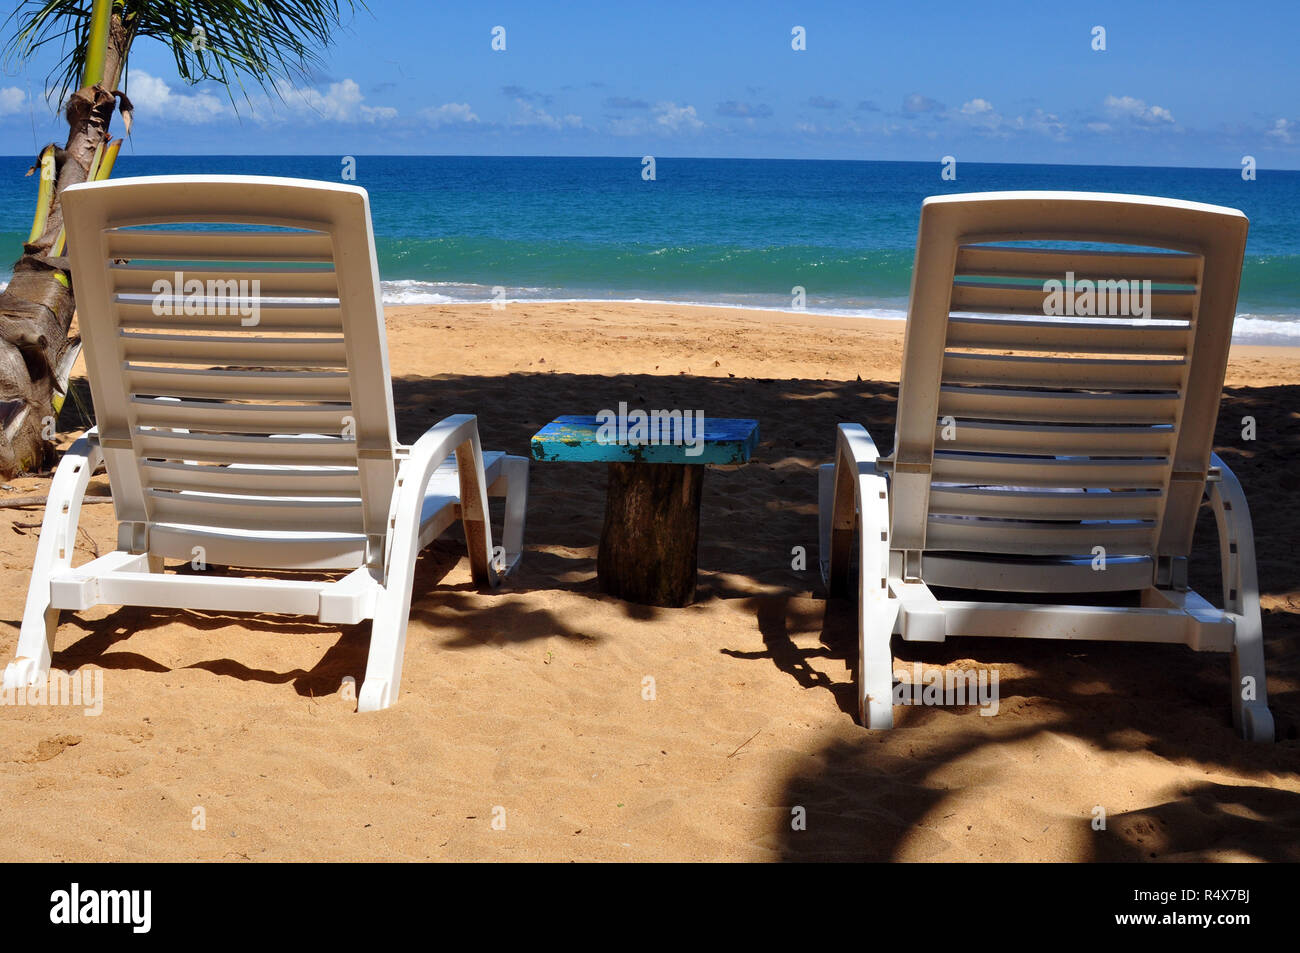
<point>523,730</point>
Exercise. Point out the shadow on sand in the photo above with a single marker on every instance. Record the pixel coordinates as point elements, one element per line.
<point>1165,699</point>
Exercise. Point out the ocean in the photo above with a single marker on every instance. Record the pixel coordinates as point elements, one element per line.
<point>736,232</point>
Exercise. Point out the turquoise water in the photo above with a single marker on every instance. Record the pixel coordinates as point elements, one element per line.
<point>742,232</point>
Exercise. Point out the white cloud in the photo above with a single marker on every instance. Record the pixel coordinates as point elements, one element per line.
<point>12,99</point>
<point>1281,130</point>
<point>984,118</point>
<point>1048,124</point>
<point>981,114</point>
<point>677,118</point>
<point>1137,109</point>
<point>916,103</point>
<point>530,115</point>
<point>1099,126</point>
<point>742,110</point>
<point>341,102</point>
<point>667,119</point>
<point>450,114</point>
<point>152,96</point>
<point>629,126</point>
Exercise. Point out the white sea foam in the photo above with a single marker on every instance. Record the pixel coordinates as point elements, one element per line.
<point>410,291</point>
<point>1250,328</point>
<point>1266,329</point>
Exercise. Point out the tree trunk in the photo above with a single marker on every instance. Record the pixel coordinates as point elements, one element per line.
<point>649,546</point>
<point>36,308</point>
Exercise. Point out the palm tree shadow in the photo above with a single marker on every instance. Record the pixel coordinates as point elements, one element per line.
<point>871,802</point>
<point>1209,822</point>
<point>873,797</point>
<point>781,650</point>
<point>443,607</point>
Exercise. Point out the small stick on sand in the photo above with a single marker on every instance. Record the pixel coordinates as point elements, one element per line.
<point>746,741</point>
<point>42,500</point>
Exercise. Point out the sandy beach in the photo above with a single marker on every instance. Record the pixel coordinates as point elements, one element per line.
<point>228,738</point>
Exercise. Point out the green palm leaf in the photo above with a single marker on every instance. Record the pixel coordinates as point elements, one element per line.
<point>230,41</point>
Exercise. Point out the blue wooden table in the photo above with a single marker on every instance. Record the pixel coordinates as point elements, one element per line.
<point>650,542</point>
<point>649,439</point>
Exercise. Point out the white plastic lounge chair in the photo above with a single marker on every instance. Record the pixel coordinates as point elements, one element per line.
<point>1030,472</point>
<point>257,430</point>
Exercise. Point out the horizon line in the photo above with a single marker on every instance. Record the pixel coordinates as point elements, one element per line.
<point>456,155</point>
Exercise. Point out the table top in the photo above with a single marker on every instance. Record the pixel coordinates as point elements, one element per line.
<point>639,437</point>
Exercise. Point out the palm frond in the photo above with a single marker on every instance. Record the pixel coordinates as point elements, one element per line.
<point>35,24</point>
<point>229,41</point>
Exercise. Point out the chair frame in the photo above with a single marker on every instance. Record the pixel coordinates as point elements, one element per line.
<point>409,495</point>
<point>884,502</point>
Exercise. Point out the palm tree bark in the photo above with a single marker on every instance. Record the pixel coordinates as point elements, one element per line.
<point>36,309</point>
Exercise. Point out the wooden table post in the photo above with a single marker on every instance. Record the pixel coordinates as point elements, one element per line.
<point>649,547</point>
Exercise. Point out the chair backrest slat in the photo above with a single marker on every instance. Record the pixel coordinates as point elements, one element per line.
<point>992,298</point>
<point>233,350</point>
<point>175,245</point>
<point>993,261</point>
<point>1060,406</point>
<point>1079,335</point>
<point>201,383</point>
<point>269,282</point>
<point>1020,503</point>
<point>1059,373</point>
<point>335,481</point>
<point>287,317</point>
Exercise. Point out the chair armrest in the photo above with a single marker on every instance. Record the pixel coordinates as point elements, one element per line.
<point>54,550</point>
<point>854,496</point>
<point>1241,601</point>
<point>455,434</point>
<point>1236,539</point>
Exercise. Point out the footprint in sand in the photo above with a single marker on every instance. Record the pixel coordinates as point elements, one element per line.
<point>53,747</point>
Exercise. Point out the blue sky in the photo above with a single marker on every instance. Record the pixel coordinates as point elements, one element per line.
<point>1179,83</point>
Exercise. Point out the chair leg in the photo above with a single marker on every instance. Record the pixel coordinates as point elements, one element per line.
<point>828,561</point>
<point>877,609</point>
<point>387,647</point>
<point>392,615</point>
<point>876,619</point>
<point>393,604</point>
<point>515,471</point>
<point>1250,712</point>
<point>53,555</point>
<point>853,496</point>
<point>475,516</point>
